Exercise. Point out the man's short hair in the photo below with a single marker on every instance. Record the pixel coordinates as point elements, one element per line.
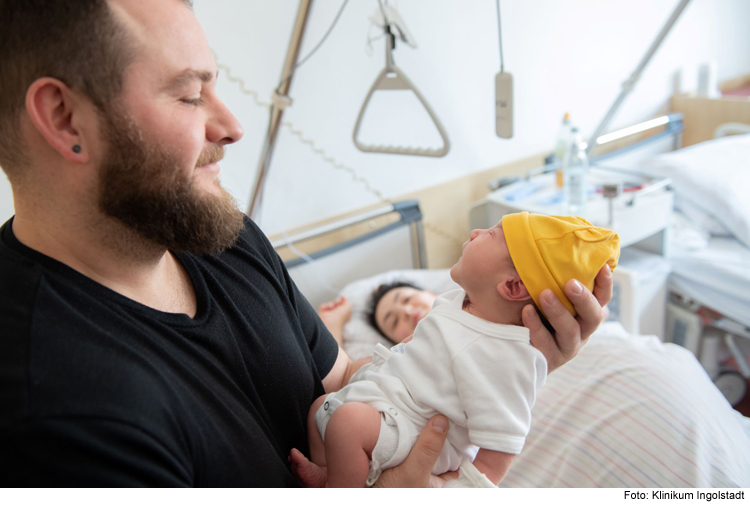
<point>78,42</point>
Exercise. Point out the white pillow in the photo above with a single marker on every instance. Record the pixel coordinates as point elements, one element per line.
<point>700,219</point>
<point>714,177</point>
<point>359,337</point>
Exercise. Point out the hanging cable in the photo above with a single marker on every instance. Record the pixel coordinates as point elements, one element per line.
<point>320,43</point>
<point>310,143</point>
<point>382,10</point>
<point>500,37</point>
<point>307,258</point>
<point>324,155</point>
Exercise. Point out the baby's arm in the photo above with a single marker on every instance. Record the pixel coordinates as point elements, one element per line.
<point>494,464</point>
<point>497,384</point>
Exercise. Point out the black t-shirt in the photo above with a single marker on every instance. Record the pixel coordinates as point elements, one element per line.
<point>97,389</point>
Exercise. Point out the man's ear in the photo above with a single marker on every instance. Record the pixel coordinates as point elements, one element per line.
<point>513,289</point>
<point>54,111</point>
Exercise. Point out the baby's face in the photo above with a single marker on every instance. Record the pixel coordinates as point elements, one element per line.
<point>485,261</point>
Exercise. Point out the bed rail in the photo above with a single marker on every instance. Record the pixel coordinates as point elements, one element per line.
<point>409,214</point>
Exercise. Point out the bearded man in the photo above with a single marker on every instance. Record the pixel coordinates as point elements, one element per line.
<point>151,335</point>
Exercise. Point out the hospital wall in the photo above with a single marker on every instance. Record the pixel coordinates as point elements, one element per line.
<point>569,55</point>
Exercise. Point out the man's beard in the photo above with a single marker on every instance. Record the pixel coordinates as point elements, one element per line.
<point>144,187</point>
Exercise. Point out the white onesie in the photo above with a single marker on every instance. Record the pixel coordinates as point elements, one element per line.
<point>481,375</point>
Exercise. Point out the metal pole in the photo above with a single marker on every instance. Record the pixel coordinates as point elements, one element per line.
<point>277,111</point>
<point>421,251</point>
<point>633,79</point>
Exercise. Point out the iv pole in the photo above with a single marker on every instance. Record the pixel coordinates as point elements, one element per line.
<point>628,85</point>
<point>277,109</point>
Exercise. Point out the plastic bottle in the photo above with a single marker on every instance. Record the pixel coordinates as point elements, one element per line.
<point>561,147</point>
<point>575,172</point>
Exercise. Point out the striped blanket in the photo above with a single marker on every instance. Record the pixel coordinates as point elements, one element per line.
<point>630,411</point>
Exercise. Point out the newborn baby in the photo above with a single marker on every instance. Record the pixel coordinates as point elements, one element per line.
<point>470,359</point>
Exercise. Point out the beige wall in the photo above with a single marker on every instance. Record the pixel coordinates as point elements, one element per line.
<point>445,211</point>
<point>704,115</point>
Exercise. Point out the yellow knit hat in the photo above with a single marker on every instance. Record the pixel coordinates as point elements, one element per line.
<point>548,251</point>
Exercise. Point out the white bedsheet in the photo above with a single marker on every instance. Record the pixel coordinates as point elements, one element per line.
<point>717,276</point>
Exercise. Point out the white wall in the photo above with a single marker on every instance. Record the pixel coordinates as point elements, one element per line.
<point>6,199</point>
<point>569,55</point>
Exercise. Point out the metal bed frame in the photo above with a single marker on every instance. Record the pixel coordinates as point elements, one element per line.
<point>409,215</point>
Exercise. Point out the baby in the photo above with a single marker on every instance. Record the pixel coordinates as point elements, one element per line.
<point>470,359</point>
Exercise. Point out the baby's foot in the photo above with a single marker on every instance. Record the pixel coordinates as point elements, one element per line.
<point>308,473</point>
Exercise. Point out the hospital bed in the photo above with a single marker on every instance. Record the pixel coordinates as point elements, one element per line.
<point>629,411</point>
<point>709,253</point>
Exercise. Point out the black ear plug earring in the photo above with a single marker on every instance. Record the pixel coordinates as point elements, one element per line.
<point>77,149</point>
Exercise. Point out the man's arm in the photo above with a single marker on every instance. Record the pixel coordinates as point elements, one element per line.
<point>342,371</point>
<point>90,452</point>
<point>571,333</point>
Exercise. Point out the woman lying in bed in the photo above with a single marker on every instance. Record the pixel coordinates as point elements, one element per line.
<point>396,308</point>
<point>628,411</point>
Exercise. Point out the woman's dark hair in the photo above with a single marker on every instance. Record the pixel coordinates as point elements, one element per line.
<point>378,294</point>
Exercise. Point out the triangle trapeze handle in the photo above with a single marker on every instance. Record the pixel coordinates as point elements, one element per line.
<point>391,78</point>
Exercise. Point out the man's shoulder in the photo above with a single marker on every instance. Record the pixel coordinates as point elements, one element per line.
<point>58,339</point>
<point>16,271</point>
<point>251,245</point>
<point>19,278</point>
<point>252,235</point>
<point>19,283</point>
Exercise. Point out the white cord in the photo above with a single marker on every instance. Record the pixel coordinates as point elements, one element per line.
<point>339,166</point>
<point>382,10</point>
<point>323,154</point>
<point>312,263</point>
<point>320,43</point>
<point>369,50</point>
<point>500,38</point>
<point>241,83</point>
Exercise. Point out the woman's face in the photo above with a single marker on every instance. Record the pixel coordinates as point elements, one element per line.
<point>399,311</point>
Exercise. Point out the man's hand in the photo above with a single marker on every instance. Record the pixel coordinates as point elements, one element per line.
<point>416,470</point>
<point>571,333</point>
